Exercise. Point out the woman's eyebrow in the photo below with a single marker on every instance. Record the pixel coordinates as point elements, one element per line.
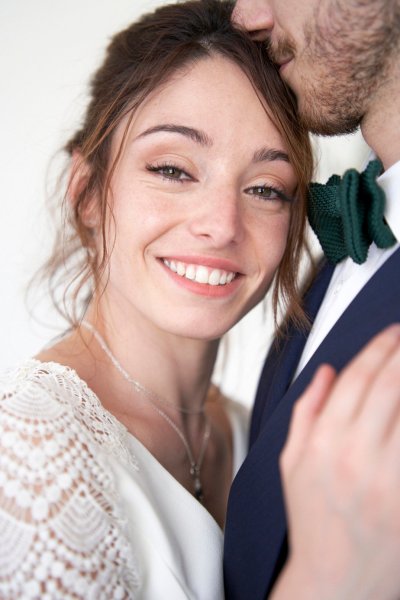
<point>269,155</point>
<point>194,134</point>
<point>200,137</point>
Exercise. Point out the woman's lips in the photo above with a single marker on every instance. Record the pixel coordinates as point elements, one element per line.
<point>203,279</point>
<point>200,273</point>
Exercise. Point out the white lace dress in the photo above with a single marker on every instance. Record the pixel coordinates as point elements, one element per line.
<point>85,510</point>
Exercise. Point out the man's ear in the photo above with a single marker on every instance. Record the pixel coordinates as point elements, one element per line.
<point>79,176</point>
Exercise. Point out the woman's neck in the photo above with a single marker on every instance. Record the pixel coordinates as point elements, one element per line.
<point>175,369</point>
<point>178,371</point>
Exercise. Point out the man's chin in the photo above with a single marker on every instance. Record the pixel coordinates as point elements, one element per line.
<point>329,124</point>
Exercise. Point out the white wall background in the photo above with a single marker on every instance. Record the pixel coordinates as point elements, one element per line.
<point>48,49</point>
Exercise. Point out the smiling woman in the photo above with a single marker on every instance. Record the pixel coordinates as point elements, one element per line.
<point>185,201</point>
<point>190,190</point>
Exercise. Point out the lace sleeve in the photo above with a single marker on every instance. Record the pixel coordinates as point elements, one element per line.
<point>61,533</point>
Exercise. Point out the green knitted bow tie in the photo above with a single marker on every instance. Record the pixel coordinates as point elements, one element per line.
<point>347,214</point>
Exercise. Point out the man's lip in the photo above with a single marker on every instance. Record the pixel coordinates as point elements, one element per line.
<point>284,61</point>
<point>207,261</point>
<point>282,65</point>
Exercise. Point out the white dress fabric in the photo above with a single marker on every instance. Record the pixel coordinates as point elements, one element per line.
<point>85,510</point>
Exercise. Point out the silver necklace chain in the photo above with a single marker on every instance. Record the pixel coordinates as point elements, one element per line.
<point>136,384</point>
<point>195,465</point>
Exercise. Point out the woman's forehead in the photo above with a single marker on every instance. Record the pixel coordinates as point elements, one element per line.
<point>213,95</point>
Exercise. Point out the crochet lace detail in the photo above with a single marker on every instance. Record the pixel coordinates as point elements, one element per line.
<point>62,533</point>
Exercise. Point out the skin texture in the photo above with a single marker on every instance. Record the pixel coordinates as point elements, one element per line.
<point>206,209</point>
<point>339,57</point>
<point>194,183</point>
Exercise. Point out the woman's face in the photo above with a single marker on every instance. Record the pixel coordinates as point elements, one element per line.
<point>201,204</point>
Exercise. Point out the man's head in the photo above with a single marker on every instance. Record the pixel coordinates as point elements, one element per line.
<point>335,54</point>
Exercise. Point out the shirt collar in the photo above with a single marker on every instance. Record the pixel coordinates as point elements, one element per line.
<point>389,181</point>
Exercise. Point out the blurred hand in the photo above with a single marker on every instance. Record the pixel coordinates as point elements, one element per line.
<point>341,478</point>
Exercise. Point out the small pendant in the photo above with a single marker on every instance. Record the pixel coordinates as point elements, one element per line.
<point>198,488</point>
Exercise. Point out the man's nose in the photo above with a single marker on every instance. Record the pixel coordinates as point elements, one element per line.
<point>255,16</point>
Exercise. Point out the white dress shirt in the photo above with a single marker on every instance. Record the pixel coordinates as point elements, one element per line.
<point>349,278</point>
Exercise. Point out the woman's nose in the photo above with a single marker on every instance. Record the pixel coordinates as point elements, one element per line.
<point>220,219</point>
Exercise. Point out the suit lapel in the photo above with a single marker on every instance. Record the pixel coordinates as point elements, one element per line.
<point>375,307</point>
<point>256,493</point>
<point>284,356</point>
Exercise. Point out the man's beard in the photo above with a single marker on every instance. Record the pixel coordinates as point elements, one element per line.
<point>348,49</point>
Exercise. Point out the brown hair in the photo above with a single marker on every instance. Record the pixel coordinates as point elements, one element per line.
<point>138,60</point>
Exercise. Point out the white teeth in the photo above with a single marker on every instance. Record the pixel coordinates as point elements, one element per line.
<point>181,269</point>
<point>190,272</point>
<point>200,273</point>
<point>215,277</point>
<point>223,278</point>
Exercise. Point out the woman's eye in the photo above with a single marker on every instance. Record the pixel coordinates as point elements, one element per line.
<point>169,172</point>
<point>267,192</point>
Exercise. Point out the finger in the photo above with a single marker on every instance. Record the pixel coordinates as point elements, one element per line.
<point>352,385</point>
<point>380,410</point>
<point>393,441</point>
<point>305,413</point>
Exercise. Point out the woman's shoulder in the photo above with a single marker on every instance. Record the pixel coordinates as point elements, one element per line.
<point>37,383</point>
<point>45,393</point>
<point>55,485</point>
<point>51,398</point>
<point>33,391</point>
<point>31,373</point>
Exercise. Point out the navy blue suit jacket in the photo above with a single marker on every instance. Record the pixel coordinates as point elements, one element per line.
<point>255,535</point>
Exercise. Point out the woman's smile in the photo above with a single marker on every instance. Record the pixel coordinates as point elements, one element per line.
<point>187,179</point>
<point>200,273</point>
<point>201,278</point>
